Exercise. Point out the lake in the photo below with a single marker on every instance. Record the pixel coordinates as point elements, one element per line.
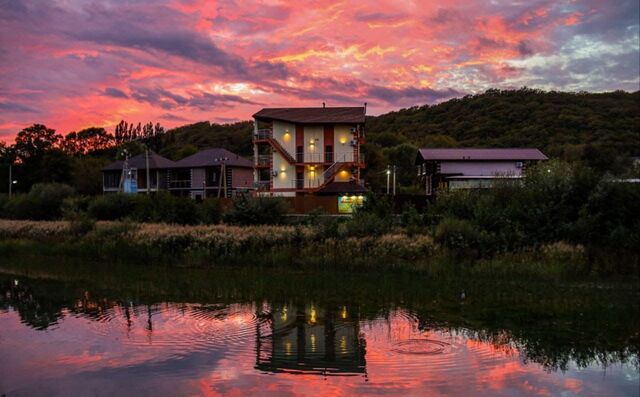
<point>77,328</point>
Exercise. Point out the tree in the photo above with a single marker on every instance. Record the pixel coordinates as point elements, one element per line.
<point>87,141</point>
<point>33,142</point>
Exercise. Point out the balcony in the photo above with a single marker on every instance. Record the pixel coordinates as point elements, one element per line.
<point>180,184</point>
<point>263,160</point>
<point>264,133</point>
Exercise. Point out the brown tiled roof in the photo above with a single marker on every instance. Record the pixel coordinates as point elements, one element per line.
<point>343,187</point>
<point>214,156</point>
<point>314,115</point>
<point>155,162</point>
<point>467,154</point>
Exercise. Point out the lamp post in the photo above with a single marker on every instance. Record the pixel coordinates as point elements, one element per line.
<point>10,180</point>
<point>394,180</point>
<point>388,176</point>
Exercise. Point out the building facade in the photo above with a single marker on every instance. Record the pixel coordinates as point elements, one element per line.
<point>451,169</point>
<point>208,173</point>
<point>300,151</point>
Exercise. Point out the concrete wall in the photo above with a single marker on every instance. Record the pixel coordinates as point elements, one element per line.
<point>241,177</point>
<point>285,134</point>
<point>316,151</point>
<point>198,177</point>
<point>343,151</point>
<point>286,172</point>
<point>477,168</point>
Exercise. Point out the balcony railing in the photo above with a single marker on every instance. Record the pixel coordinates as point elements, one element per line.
<point>263,159</point>
<point>263,133</point>
<point>179,184</point>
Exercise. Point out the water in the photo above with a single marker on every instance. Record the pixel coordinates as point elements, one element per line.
<point>88,329</point>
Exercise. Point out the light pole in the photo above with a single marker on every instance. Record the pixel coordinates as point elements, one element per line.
<point>10,180</point>
<point>388,176</point>
<point>394,180</point>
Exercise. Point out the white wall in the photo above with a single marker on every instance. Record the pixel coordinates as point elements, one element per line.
<point>476,168</point>
<point>316,151</point>
<point>284,180</point>
<point>288,142</point>
<point>342,151</point>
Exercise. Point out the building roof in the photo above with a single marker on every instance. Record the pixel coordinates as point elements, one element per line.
<point>468,154</point>
<point>314,115</point>
<point>343,187</point>
<point>155,162</point>
<point>211,157</point>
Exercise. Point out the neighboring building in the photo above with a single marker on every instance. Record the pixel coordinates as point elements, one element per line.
<point>113,175</point>
<point>208,173</point>
<point>443,169</point>
<point>299,151</point>
<point>211,173</point>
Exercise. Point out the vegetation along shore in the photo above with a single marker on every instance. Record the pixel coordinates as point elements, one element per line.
<point>563,220</point>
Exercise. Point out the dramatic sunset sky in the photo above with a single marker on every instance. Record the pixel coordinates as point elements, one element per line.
<point>71,64</point>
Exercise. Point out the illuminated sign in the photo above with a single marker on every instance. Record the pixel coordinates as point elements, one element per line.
<point>347,203</point>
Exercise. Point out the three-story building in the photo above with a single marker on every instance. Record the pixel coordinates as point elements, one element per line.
<point>300,151</point>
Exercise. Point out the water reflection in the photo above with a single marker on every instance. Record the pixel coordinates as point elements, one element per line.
<point>310,339</point>
<point>229,334</point>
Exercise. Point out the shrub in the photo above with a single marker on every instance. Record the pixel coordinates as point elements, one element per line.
<point>364,224</point>
<point>210,211</point>
<point>458,235</point>
<point>171,209</point>
<point>80,223</point>
<point>112,206</point>
<point>412,220</point>
<point>43,202</point>
<point>257,211</point>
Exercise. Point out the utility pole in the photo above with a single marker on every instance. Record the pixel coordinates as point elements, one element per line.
<point>10,180</point>
<point>394,180</point>
<point>388,176</point>
<point>146,156</point>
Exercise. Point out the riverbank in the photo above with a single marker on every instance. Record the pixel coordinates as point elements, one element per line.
<point>298,246</point>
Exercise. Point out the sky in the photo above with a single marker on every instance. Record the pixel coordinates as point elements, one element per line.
<point>72,64</point>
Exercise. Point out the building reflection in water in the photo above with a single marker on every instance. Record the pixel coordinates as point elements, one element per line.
<point>297,338</point>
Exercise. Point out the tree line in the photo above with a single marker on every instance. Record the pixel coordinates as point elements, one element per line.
<point>599,130</point>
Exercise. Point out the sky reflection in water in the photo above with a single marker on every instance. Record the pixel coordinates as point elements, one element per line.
<point>100,347</point>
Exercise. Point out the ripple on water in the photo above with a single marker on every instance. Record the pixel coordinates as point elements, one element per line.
<point>426,347</point>
<point>176,330</point>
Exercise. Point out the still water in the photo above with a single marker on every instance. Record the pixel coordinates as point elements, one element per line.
<point>88,329</point>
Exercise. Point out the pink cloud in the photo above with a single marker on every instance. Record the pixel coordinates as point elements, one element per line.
<point>71,66</point>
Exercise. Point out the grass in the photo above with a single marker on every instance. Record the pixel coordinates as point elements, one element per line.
<point>298,246</point>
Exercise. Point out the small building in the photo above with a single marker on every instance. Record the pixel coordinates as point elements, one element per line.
<point>465,168</point>
<point>113,175</point>
<point>209,173</point>
<point>301,151</point>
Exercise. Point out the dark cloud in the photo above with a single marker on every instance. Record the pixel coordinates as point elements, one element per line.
<point>525,48</point>
<point>173,117</point>
<point>445,16</point>
<point>411,95</point>
<point>16,108</point>
<point>379,17</point>
<point>158,96</point>
<point>114,93</point>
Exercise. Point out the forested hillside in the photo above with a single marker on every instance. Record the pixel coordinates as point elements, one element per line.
<point>599,130</point>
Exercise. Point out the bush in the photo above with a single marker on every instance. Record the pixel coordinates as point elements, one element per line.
<point>43,202</point>
<point>412,220</point>
<point>112,206</point>
<point>257,211</point>
<point>210,211</point>
<point>364,224</point>
<point>458,235</point>
<point>168,209</point>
